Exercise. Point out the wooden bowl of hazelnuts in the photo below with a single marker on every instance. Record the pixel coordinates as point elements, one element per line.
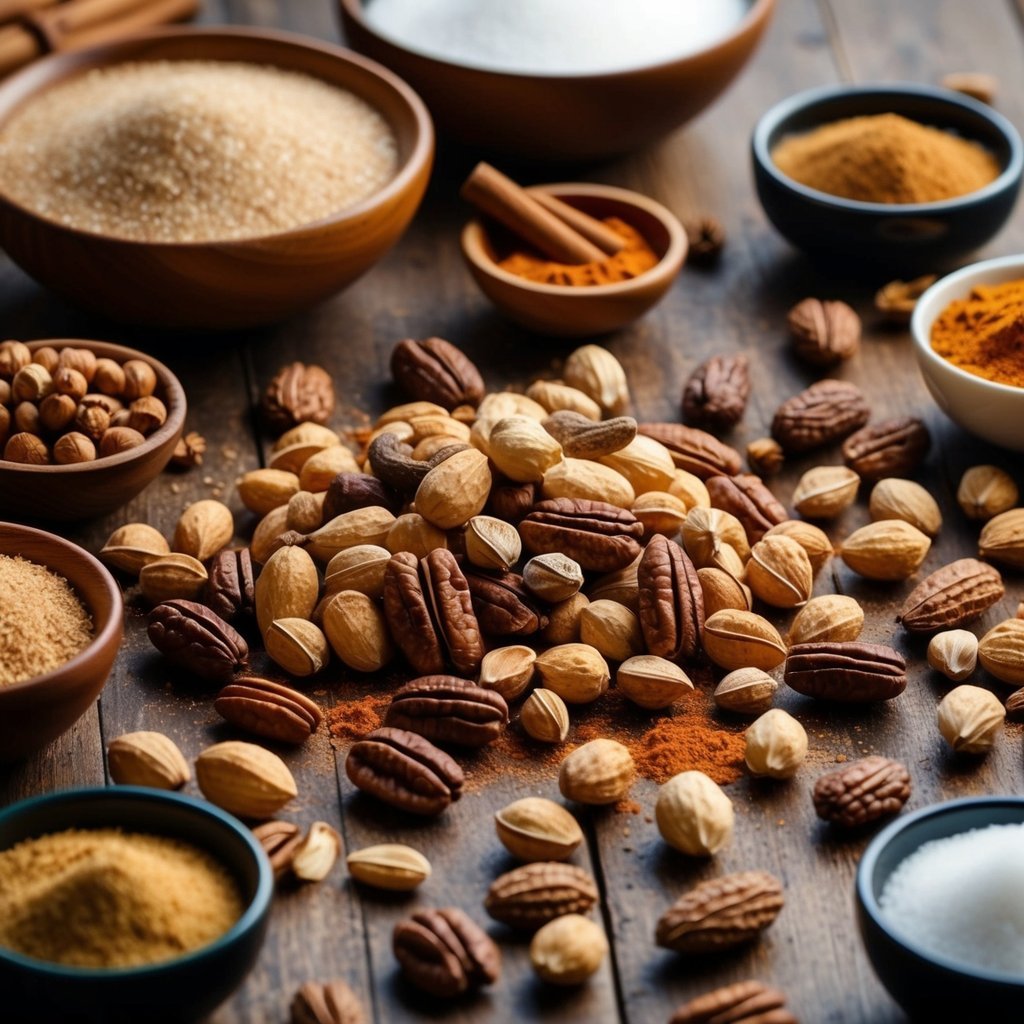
<point>84,426</point>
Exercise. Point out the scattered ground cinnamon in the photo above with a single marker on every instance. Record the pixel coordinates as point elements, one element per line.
<point>353,719</point>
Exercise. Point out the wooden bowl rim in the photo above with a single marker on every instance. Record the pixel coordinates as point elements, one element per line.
<point>176,402</point>
<point>51,71</point>
<point>751,22</point>
<point>474,233</point>
<point>105,632</point>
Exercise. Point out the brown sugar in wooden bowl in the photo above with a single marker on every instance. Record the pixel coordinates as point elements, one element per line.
<point>229,283</point>
<point>35,711</point>
<point>82,490</point>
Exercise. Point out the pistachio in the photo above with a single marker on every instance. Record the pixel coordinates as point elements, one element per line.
<point>647,464</point>
<point>262,490</point>
<point>316,853</point>
<point>203,529</point>
<point>576,672</point>
<point>244,779</point>
<point>970,719</point>
<point>298,646</point>
<point>893,498</point>
<point>411,532</point>
<point>747,691</point>
<point>599,772</point>
<point>499,404</point>
<point>599,375</point>
<point>737,639</point>
<point>1001,651</point>
<point>811,538</point>
<point>288,587</point>
<point>356,629</point>
<point>368,525</point>
<point>707,531</point>
<point>556,397</point>
<point>508,670</point>
<point>611,629</point>
<point>545,717</point>
<point>454,490</point>
<point>779,572</point>
<point>776,745</point>
<point>690,489</point>
<point>492,543</point>
<point>305,511</point>
<point>1002,538</point>
<point>553,577</point>
<point>536,829</point>
<point>134,545</point>
<point>985,491</point>
<point>826,618</point>
<point>171,576</point>
<point>357,568</point>
<point>694,816</point>
<point>954,653</point>
<point>581,478</point>
<point>265,538</point>
<point>825,492</point>
<point>323,466</point>
<point>889,549</point>
<point>564,621</point>
<point>391,866</point>
<point>522,449</point>
<point>652,682</point>
<point>722,590</point>
<point>660,512</point>
<point>147,759</point>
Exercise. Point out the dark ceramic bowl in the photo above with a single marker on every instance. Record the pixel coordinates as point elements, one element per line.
<point>930,987</point>
<point>35,711</point>
<point>893,238</point>
<point>87,489</point>
<point>184,989</point>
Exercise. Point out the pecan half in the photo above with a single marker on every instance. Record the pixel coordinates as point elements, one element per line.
<point>503,604</point>
<point>280,840</point>
<point>444,953</point>
<point>511,501</point>
<point>825,412</point>
<point>349,491</point>
<point>231,588</point>
<point>862,791</point>
<point>891,448</point>
<point>824,332</point>
<point>846,670</point>
<point>447,709</point>
<point>434,370</point>
<point>747,498</point>
<point>191,635</point>
<point>745,1002</point>
<point>597,535</point>
<point>528,897</point>
<point>405,770</point>
<point>268,709</point>
<point>429,611</point>
<point>721,913</point>
<point>706,238</point>
<point>329,1002</point>
<point>715,396</point>
<point>951,596</point>
<point>694,450</point>
<point>671,608</point>
<point>583,438</point>
<point>299,393</point>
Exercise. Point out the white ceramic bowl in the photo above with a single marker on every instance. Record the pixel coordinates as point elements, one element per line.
<point>994,412</point>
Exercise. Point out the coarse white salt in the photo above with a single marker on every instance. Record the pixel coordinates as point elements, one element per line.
<point>556,36</point>
<point>962,897</point>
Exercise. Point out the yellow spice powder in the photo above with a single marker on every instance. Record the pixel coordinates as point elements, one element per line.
<point>105,898</point>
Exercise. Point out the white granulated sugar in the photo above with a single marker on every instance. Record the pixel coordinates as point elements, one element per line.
<point>556,36</point>
<point>192,151</point>
<point>963,898</point>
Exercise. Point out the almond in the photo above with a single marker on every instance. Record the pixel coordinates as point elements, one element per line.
<point>244,779</point>
<point>147,759</point>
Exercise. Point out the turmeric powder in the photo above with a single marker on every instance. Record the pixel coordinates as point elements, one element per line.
<point>984,333</point>
<point>632,259</point>
<point>885,158</point>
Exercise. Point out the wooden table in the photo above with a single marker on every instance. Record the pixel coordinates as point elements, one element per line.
<point>422,288</point>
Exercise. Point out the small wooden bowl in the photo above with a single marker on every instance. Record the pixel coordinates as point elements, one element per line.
<point>563,117</point>
<point>87,489</point>
<point>567,311</point>
<point>35,711</point>
<point>226,284</point>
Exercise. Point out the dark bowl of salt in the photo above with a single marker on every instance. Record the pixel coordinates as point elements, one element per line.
<point>940,907</point>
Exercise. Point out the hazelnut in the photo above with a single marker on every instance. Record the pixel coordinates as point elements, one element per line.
<point>56,411</point>
<point>568,950</point>
<point>13,356</point>
<point>119,439</point>
<point>26,417</point>
<point>27,449</point>
<point>970,719</point>
<point>31,383</point>
<point>108,377</point>
<point>48,357</point>
<point>693,814</point>
<point>68,381</point>
<point>139,379</point>
<point>72,448</point>
<point>81,359</point>
<point>92,420</point>
<point>146,414</point>
<point>776,745</point>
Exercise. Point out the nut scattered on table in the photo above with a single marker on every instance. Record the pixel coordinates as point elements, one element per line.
<point>776,745</point>
<point>694,815</point>
<point>147,759</point>
<point>537,829</point>
<point>568,950</point>
<point>970,719</point>
<point>862,791</point>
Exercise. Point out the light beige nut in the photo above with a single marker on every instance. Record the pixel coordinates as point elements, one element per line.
<point>537,829</point>
<point>776,745</point>
<point>576,672</point>
<point>647,464</point>
<point>779,572</point>
<point>747,691</point>
<point>829,618</point>
<point>555,396</point>
<point>954,653</point>
<point>309,433</point>
<point>262,490</point>
<point>652,682</point>
<point>722,590</point>
<point>660,512</point>
<point>970,719</point>
<point>316,854</point>
<point>621,585</point>
<point>356,629</point>
<point>599,772</point>
<point>564,621</point>
<point>894,498</point>
<point>765,456</point>
<point>134,545</point>
<point>694,816</point>
<point>392,866</point>
<point>370,525</point>
<point>612,630</point>
<point>568,950</point>
<point>203,529</point>
<point>708,533</point>
<point>358,568</point>
<point>825,492</point>
<point>288,587</point>
<point>986,491</point>
<point>306,511</point>
<point>889,549</point>
<point>265,538</point>
<point>545,717</point>
<point>147,759</point>
<point>979,85</point>
<point>411,532</point>
<point>432,425</point>
<point>508,670</point>
<point>492,543</point>
<point>1002,538</point>
<point>172,576</point>
<point>454,490</point>
<point>244,779</point>
<point>322,467</point>
<point>690,489</point>
<point>1001,651</point>
<point>591,481</point>
<point>552,577</point>
<point>811,538</point>
<point>297,645</point>
<point>522,449</point>
<point>409,410</point>
<point>737,639</point>
<point>598,374</point>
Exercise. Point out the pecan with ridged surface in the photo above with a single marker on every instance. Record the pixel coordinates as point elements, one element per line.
<point>846,670</point>
<point>329,1002</point>
<point>862,791</point>
<point>951,596</point>
<point>446,709</point>
<point>503,604</point>
<point>529,896</point>
<point>599,536</point>
<point>231,587</point>
<point>893,447</point>
<point>671,600</point>
<point>299,393</point>
<point>747,498</point>
<point>715,396</point>
<point>192,636</point>
<point>434,370</point>
<point>745,1002</point>
<point>445,953</point>
<point>825,412</point>
<point>268,709</point>
<point>693,449</point>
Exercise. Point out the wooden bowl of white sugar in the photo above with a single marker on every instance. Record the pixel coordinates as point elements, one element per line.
<point>207,179</point>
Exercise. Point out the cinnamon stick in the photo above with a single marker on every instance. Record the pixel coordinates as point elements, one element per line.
<point>499,197</point>
<point>607,240</point>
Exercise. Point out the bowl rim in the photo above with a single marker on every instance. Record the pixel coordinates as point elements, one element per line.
<point>112,53</point>
<point>176,403</point>
<point>920,329</point>
<point>253,911</point>
<point>103,635</point>
<point>757,14</point>
<point>473,233</point>
<point>786,108</point>
<point>866,898</point>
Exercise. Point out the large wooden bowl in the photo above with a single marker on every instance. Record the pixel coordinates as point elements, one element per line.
<point>563,117</point>
<point>87,489</point>
<point>233,283</point>
<point>35,711</point>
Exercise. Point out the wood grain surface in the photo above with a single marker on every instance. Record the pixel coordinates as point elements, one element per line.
<point>422,288</point>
